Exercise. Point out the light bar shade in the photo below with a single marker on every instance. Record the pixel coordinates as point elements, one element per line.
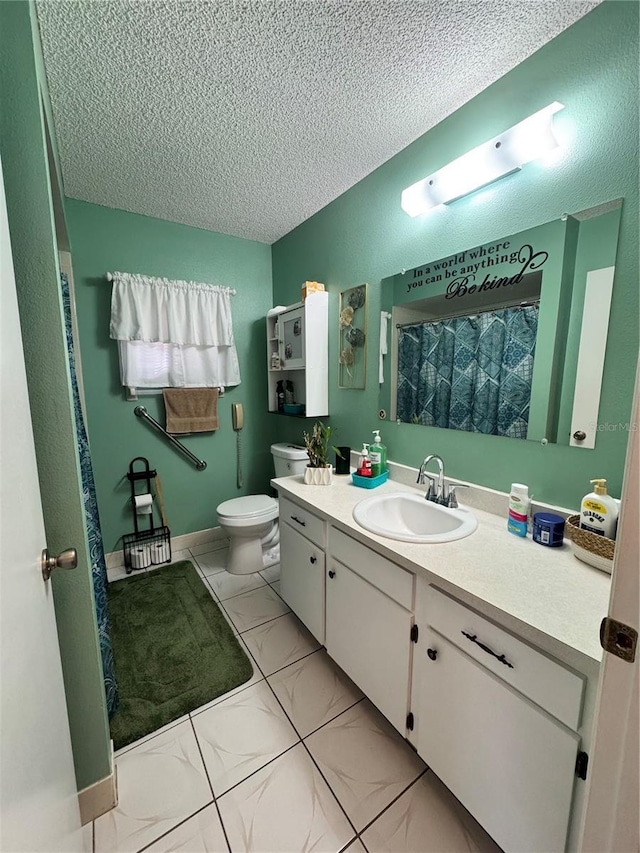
<point>526,141</point>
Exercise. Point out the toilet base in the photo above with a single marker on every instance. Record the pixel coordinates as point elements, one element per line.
<point>245,556</point>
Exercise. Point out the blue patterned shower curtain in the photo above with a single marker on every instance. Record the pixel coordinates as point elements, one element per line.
<point>96,549</point>
<point>469,373</point>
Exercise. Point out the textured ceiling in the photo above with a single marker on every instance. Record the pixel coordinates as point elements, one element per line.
<point>247,117</point>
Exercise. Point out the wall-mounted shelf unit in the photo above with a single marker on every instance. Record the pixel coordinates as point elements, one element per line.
<point>297,356</point>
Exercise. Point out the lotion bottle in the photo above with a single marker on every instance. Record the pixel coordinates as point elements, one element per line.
<point>599,511</point>
<point>519,505</point>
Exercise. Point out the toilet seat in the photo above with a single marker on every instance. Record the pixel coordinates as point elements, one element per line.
<point>252,509</point>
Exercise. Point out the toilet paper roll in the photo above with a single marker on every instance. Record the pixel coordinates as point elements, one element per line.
<point>140,557</point>
<point>159,552</point>
<point>143,504</point>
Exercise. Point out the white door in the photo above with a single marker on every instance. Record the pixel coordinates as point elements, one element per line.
<point>38,796</point>
<point>611,817</point>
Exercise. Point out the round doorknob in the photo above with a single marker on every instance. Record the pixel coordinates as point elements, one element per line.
<point>432,654</point>
<point>579,435</point>
<point>68,559</point>
<point>332,574</point>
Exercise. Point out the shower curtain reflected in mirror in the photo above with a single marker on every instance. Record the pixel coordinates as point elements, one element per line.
<point>470,373</point>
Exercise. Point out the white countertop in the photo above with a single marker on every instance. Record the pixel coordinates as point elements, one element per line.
<point>544,594</point>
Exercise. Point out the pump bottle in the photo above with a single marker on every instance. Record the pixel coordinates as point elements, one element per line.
<point>599,511</point>
<point>364,469</point>
<point>378,454</point>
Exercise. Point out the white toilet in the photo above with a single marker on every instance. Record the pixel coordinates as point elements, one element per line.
<point>251,523</point>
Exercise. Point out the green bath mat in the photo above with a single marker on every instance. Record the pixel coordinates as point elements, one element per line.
<point>173,649</point>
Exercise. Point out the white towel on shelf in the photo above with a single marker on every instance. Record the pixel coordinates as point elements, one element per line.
<point>384,318</point>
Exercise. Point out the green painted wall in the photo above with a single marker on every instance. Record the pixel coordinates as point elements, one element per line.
<point>104,239</point>
<point>592,68</point>
<point>30,210</point>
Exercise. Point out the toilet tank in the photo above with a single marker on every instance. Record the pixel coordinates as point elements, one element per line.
<point>289,459</point>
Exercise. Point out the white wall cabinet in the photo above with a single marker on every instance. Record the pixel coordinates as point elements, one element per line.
<point>297,353</point>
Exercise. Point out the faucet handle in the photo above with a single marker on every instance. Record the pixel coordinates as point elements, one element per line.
<point>452,498</point>
<point>431,494</point>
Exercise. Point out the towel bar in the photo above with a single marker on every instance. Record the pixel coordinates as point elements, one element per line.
<point>141,412</point>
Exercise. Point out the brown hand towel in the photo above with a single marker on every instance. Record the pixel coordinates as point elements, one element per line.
<point>191,409</point>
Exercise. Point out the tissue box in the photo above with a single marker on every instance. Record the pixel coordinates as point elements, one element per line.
<point>311,287</point>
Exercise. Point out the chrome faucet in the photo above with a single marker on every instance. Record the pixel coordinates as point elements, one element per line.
<point>433,494</point>
<point>438,494</point>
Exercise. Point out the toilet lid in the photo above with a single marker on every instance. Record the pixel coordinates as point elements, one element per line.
<point>250,506</point>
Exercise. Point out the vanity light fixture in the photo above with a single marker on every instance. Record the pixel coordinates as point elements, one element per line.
<point>506,153</point>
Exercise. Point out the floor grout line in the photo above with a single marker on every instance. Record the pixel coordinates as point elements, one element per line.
<point>395,800</point>
<point>291,663</point>
<point>215,799</point>
<point>177,826</point>
<point>316,765</point>
<point>253,772</point>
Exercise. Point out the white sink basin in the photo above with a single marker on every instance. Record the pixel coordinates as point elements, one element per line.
<point>411,518</point>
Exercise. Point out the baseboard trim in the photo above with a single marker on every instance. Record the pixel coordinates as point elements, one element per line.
<point>212,535</point>
<point>99,798</point>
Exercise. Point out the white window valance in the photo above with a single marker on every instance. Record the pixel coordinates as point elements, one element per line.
<point>173,333</point>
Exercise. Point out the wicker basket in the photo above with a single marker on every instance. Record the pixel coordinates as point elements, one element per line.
<point>595,550</point>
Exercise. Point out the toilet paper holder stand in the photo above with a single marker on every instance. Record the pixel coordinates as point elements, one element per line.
<point>150,547</point>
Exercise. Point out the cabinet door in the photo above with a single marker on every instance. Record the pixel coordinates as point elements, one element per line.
<point>509,763</point>
<point>302,579</point>
<point>292,338</point>
<point>368,635</point>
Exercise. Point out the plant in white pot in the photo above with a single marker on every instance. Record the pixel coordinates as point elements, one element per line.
<point>319,471</point>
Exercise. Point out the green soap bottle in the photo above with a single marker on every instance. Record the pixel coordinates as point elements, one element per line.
<point>378,455</point>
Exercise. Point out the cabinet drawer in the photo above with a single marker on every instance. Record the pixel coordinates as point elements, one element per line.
<point>382,573</point>
<point>550,684</point>
<point>303,521</point>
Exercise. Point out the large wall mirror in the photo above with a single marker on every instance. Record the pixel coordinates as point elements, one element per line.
<point>507,338</point>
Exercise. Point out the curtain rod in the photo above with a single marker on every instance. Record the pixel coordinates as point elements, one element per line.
<point>109,277</point>
<point>468,313</point>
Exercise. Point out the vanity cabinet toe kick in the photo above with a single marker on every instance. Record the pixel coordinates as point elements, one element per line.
<point>499,721</point>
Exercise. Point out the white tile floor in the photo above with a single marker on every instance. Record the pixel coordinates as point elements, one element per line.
<point>294,760</point>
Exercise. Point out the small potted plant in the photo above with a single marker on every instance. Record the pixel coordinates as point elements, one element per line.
<point>319,471</point>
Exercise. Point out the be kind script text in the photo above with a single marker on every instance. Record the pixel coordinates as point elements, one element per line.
<point>466,268</point>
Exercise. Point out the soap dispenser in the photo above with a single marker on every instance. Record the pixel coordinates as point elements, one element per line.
<point>599,511</point>
<point>364,469</point>
<point>378,455</point>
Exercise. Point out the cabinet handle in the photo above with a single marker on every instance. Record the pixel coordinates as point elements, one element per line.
<point>474,639</point>
<point>313,560</point>
<point>299,521</point>
<point>432,654</point>
<point>332,574</point>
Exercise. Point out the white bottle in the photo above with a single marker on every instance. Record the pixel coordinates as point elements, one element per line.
<point>519,504</point>
<point>599,511</point>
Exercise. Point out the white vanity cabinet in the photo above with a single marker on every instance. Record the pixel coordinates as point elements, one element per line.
<point>302,565</point>
<point>496,720</point>
<point>504,724</point>
<point>368,623</point>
